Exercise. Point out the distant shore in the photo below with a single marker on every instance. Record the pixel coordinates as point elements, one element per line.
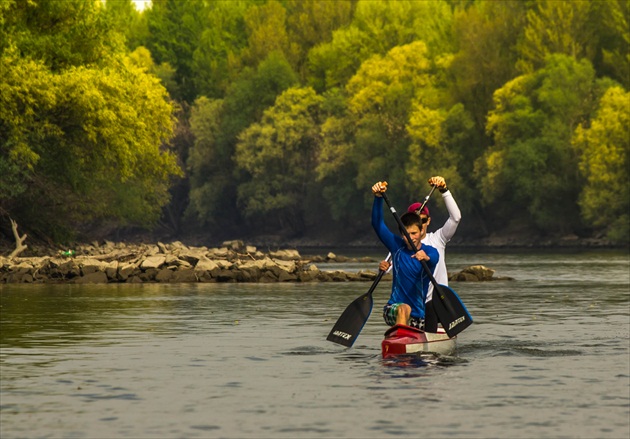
<point>175,262</point>
<point>319,246</point>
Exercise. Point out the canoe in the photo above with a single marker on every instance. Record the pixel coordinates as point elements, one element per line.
<point>404,340</point>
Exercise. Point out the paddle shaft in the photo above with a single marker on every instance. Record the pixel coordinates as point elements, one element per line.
<point>426,199</point>
<point>378,278</point>
<point>376,281</point>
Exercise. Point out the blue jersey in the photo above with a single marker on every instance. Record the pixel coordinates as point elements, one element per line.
<point>411,282</point>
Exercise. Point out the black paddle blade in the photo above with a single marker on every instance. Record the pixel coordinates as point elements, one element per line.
<point>450,310</point>
<point>430,317</point>
<point>352,320</point>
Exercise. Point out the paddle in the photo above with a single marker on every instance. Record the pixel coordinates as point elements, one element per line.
<point>450,310</point>
<point>354,317</point>
<point>352,320</point>
<point>426,199</point>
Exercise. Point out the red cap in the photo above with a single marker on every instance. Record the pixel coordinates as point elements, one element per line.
<point>416,206</point>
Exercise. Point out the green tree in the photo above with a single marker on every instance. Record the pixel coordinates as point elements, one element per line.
<point>82,126</point>
<point>532,163</point>
<point>214,184</point>
<point>312,22</point>
<point>557,27</point>
<point>60,34</point>
<point>612,27</point>
<point>278,155</point>
<point>604,148</point>
<point>84,144</point>
<point>216,60</point>
<point>377,27</point>
<point>174,30</point>
<point>377,134</point>
<point>209,179</point>
<point>267,33</point>
<point>126,19</point>
<point>485,34</point>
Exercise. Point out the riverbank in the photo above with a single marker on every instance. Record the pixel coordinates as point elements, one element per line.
<point>233,261</point>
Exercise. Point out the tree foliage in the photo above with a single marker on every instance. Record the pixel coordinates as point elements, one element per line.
<point>532,163</point>
<point>278,155</point>
<point>514,102</point>
<point>216,126</point>
<point>604,148</point>
<point>174,30</point>
<point>80,142</point>
<point>216,59</point>
<point>556,27</point>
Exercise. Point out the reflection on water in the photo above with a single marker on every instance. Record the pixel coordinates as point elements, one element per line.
<point>547,356</point>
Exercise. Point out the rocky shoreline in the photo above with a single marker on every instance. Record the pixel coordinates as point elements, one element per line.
<point>233,261</point>
<point>170,263</point>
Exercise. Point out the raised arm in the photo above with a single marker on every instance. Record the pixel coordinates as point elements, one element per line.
<point>454,215</point>
<point>378,223</point>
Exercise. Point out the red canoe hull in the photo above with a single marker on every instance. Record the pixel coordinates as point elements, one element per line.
<point>405,340</point>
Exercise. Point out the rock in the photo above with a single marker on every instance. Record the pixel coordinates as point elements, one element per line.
<point>89,266</point>
<point>192,256</point>
<point>173,262</point>
<point>236,245</point>
<point>285,255</point>
<point>186,275</point>
<point>68,270</point>
<point>370,275</point>
<point>112,270</point>
<point>149,274</point>
<point>288,266</point>
<point>164,275</point>
<point>307,276</point>
<point>162,248</point>
<point>97,277</point>
<point>268,277</point>
<point>286,277</point>
<point>226,276</point>
<point>126,270</point>
<point>218,253</point>
<point>19,278</point>
<point>177,245</point>
<point>205,264</point>
<point>153,262</point>
<point>24,267</point>
<point>476,273</point>
<point>464,277</point>
<point>249,274</point>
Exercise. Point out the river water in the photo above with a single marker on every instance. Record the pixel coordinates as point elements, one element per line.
<point>547,357</point>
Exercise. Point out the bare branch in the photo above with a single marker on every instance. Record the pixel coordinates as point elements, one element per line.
<point>19,241</point>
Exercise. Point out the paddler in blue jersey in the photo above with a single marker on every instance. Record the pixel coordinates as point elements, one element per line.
<point>410,282</point>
